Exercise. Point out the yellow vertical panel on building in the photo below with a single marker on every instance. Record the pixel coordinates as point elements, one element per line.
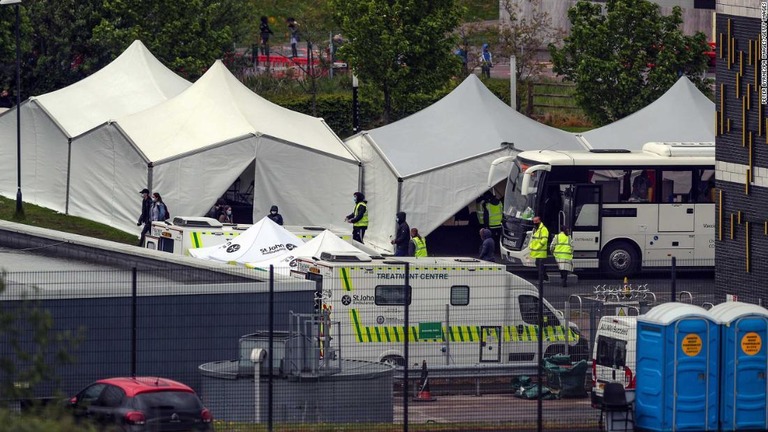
<point>746,188</point>
<point>720,214</point>
<point>746,244</point>
<point>741,62</point>
<point>728,61</point>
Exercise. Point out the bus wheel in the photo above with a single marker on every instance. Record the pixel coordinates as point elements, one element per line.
<point>620,259</point>
<point>393,360</point>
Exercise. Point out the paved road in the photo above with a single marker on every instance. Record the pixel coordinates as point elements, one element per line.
<point>509,412</point>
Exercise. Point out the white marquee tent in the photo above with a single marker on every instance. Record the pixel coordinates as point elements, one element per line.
<point>134,81</point>
<point>683,113</point>
<point>262,241</point>
<point>436,161</point>
<point>191,148</point>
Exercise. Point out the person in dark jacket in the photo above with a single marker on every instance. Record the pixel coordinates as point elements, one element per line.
<point>359,217</point>
<point>488,247</point>
<point>265,32</point>
<point>145,217</point>
<point>402,235</point>
<point>275,216</point>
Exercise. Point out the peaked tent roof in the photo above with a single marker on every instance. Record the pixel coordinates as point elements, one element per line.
<point>218,109</point>
<point>326,241</point>
<point>263,240</point>
<point>467,122</point>
<point>134,81</point>
<point>683,113</point>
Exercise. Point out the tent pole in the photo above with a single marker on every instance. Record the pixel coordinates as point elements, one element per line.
<point>149,175</point>
<point>513,82</point>
<point>399,192</point>
<point>69,174</point>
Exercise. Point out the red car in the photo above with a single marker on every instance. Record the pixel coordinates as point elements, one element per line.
<point>711,54</point>
<point>142,404</point>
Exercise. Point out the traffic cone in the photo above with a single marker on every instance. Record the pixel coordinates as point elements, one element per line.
<point>423,394</point>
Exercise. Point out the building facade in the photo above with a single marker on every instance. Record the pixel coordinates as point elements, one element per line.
<point>698,15</point>
<point>741,236</point>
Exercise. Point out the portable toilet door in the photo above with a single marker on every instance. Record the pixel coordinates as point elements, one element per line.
<point>744,365</point>
<point>677,369</point>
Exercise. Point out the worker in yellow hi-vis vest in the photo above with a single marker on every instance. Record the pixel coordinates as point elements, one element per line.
<point>538,246</point>
<point>418,246</point>
<point>562,249</point>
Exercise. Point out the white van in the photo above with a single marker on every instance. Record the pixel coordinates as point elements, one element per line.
<point>462,310</point>
<point>614,355</point>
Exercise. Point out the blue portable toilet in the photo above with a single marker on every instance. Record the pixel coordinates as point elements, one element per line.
<point>744,365</point>
<point>677,369</point>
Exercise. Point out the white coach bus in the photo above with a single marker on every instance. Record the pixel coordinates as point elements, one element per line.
<point>626,209</point>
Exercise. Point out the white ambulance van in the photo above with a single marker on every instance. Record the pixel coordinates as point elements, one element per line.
<point>614,355</point>
<point>461,310</point>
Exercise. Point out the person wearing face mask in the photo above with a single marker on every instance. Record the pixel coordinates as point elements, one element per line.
<point>359,217</point>
<point>158,212</point>
<point>402,235</point>
<point>225,216</point>
<point>274,216</point>
<point>538,246</point>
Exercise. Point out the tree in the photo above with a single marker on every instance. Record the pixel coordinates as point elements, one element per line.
<point>525,36</point>
<point>400,47</point>
<point>187,35</point>
<point>625,58</point>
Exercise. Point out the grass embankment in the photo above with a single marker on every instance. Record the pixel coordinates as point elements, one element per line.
<point>46,218</point>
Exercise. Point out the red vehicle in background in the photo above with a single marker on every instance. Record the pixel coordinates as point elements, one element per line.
<point>711,54</point>
<point>141,404</point>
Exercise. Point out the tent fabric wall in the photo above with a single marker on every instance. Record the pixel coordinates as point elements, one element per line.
<point>194,146</point>
<point>309,187</point>
<point>380,186</point>
<point>682,114</point>
<point>43,157</point>
<point>436,161</point>
<point>108,174</point>
<point>134,81</point>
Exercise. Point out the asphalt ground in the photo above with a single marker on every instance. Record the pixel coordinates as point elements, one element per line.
<point>502,412</point>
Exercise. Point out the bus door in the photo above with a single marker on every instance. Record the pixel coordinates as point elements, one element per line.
<point>585,209</point>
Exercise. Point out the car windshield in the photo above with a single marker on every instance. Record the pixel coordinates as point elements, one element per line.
<point>176,401</point>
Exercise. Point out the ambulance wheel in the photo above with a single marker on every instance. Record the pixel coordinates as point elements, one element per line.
<point>620,259</point>
<point>393,360</point>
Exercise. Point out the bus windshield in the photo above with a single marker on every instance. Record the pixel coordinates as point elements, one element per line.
<point>515,203</point>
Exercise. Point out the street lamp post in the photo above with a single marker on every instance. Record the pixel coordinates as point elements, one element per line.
<point>16,3</point>
<point>355,106</point>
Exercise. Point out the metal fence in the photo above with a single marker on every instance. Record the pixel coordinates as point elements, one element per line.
<point>351,347</point>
